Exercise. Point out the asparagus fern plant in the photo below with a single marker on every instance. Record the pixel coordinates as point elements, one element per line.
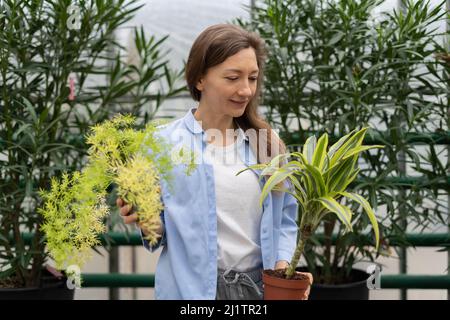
<point>74,208</point>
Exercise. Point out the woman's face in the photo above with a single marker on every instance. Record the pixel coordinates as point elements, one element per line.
<point>228,87</point>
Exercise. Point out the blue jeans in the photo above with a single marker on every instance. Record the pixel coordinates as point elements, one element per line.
<point>233,285</point>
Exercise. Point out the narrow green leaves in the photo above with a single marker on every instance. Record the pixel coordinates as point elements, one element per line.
<point>368,209</point>
<point>342,212</point>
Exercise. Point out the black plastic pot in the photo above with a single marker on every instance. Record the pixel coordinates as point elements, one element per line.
<point>52,288</point>
<point>355,290</point>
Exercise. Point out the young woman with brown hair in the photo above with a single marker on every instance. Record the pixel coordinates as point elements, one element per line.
<point>216,238</point>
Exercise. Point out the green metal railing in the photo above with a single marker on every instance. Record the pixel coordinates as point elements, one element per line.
<point>399,281</point>
<point>133,239</point>
<point>118,280</point>
<point>387,281</point>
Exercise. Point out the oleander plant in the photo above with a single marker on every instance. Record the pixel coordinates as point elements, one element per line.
<point>56,82</point>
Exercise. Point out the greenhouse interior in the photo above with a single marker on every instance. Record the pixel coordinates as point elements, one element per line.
<point>115,124</point>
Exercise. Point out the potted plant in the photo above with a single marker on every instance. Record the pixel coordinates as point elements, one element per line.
<point>55,83</point>
<point>319,178</point>
<point>134,161</point>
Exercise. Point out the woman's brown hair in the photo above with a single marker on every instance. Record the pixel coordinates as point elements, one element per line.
<point>212,47</point>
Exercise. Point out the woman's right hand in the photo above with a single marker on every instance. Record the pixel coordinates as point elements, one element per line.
<point>126,211</point>
<point>129,217</point>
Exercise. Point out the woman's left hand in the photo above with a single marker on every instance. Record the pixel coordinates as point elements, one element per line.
<point>282,264</point>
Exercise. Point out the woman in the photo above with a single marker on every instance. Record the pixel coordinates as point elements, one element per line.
<point>216,238</point>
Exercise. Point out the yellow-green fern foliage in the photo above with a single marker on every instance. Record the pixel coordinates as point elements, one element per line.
<point>138,183</point>
<point>73,213</point>
<point>75,207</point>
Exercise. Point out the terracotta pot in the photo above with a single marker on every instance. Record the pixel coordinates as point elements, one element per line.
<point>282,289</point>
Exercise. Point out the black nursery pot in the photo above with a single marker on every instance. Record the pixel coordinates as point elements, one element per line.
<point>52,288</point>
<point>355,290</point>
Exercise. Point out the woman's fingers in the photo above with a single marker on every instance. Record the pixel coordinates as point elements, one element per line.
<point>307,293</point>
<point>125,210</point>
<point>132,218</point>
<point>122,204</point>
<point>310,277</point>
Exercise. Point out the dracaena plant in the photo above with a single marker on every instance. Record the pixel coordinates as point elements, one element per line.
<point>75,207</point>
<point>319,178</point>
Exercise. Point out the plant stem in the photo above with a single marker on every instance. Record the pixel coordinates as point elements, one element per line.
<point>305,233</point>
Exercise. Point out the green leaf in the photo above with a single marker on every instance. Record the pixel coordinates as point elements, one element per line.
<point>274,164</point>
<point>320,152</point>
<point>300,188</point>
<point>300,157</point>
<point>300,201</point>
<point>353,141</point>
<point>275,179</point>
<point>252,167</point>
<point>30,109</point>
<point>7,273</point>
<point>343,214</point>
<point>22,128</point>
<point>343,184</point>
<point>359,150</point>
<point>337,145</point>
<point>317,179</point>
<point>308,148</point>
<point>340,173</point>
<point>336,38</point>
<point>368,209</point>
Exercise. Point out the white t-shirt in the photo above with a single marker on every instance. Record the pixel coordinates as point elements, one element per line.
<point>238,210</point>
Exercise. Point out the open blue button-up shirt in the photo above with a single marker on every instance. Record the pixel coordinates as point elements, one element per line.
<point>187,267</point>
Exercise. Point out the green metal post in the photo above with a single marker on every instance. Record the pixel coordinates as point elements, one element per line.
<point>117,280</point>
<point>113,262</point>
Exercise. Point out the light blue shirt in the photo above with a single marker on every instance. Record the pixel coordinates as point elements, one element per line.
<point>187,267</point>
